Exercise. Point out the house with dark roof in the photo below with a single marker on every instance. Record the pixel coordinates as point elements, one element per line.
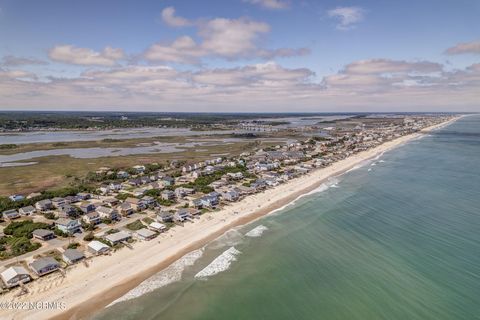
<point>43,266</point>
<point>43,234</point>
<point>72,256</point>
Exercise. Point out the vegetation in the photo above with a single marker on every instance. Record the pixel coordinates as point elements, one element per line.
<point>7,146</point>
<point>15,246</point>
<point>136,225</point>
<point>73,245</point>
<point>24,228</point>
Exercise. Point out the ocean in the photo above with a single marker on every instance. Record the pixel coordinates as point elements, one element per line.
<point>396,238</point>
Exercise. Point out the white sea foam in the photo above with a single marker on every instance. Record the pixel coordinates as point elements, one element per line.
<point>381,161</point>
<point>369,169</point>
<point>373,164</point>
<point>220,264</point>
<point>332,182</point>
<point>230,238</point>
<point>358,166</point>
<point>256,232</point>
<point>172,273</point>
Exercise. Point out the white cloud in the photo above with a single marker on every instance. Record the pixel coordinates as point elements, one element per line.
<point>377,84</point>
<point>10,60</point>
<point>270,4</point>
<point>465,47</point>
<point>232,38</point>
<point>347,17</point>
<point>225,38</point>
<point>84,56</point>
<point>169,17</point>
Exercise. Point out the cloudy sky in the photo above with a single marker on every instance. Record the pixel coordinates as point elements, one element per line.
<point>240,55</point>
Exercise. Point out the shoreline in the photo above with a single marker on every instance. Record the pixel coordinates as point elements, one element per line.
<point>87,290</point>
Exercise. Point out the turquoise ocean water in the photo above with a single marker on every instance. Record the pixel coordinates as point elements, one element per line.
<point>397,238</point>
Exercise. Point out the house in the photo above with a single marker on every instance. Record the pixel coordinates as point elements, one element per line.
<point>104,189</point>
<point>167,195</point>
<point>118,237</point>
<point>108,213</point>
<point>181,215</point>
<point>165,216</point>
<point>134,182</point>
<point>87,207</point>
<point>209,201</point>
<point>138,192</point>
<point>68,225</point>
<point>43,266</point>
<point>122,175</point>
<point>168,181</point>
<point>92,218</point>
<point>136,204</point>
<point>97,247</point>
<point>43,234</point>
<point>231,195</point>
<point>126,209</point>
<point>156,226</point>
<point>15,275</point>
<point>11,214</point>
<point>44,205</point>
<point>83,196</point>
<point>196,203</point>
<point>67,211</point>
<point>27,211</point>
<point>145,234</point>
<point>112,202</point>
<point>115,186</point>
<point>139,168</point>
<point>71,199</point>
<point>72,256</point>
<point>58,202</point>
<point>16,197</point>
<point>182,192</point>
<point>148,201</point>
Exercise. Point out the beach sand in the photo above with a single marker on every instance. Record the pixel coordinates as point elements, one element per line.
<point>85,290</point>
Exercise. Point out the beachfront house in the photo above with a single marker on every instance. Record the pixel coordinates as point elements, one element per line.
<point>231,195</point>
<point>165,216</point>
<point>15,275</point>
<point>69,226</point>
<point>43,234</point>
<point>182,215</point>
<point>157,226</point>
<point>118,237</point>
<point>122,174</point>
<point>145,234</point>
<point>72,256</point>
<point>97,247</point>
<point>43,266</point>
<point>139,168</point>
<point>44,205</point>
<point>209,201</point>
<point>27,211</point>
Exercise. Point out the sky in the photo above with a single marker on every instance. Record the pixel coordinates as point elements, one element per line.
<point>240,55</point>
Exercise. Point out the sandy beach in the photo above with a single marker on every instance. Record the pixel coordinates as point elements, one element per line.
<point>87,289</point>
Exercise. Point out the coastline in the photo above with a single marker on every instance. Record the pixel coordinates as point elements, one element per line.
<point>105,279</point>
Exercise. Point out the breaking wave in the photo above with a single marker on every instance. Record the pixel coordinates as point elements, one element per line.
<point>256,232</point>
<point>172,273</point>
<point>219,264</point>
